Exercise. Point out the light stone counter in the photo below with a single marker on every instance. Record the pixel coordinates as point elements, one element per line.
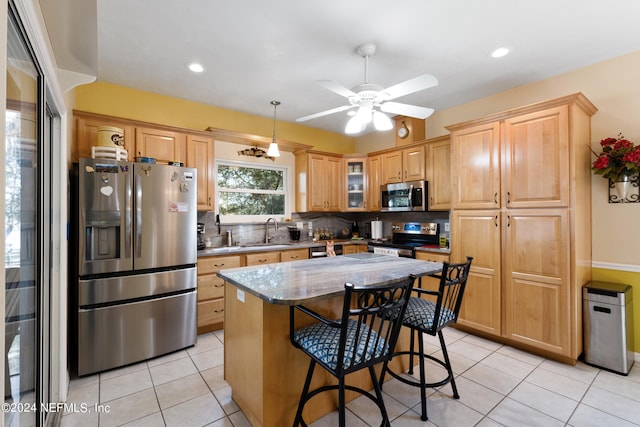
<point>298,282</point>
<point>266,373</point>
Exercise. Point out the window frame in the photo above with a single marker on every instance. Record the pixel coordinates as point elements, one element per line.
<point>248,219</point>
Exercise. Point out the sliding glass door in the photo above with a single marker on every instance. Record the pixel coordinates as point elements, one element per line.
<point>27,231</point>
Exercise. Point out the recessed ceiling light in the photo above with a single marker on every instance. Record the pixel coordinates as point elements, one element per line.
<point>196,68</point>
<point>500,52</point>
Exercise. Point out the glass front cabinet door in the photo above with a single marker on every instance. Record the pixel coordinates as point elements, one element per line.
<point>356,183</point>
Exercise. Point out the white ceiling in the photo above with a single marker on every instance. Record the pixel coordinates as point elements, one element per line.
<point>256,51</point>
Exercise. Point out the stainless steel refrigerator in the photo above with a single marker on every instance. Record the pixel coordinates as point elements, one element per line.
<point>134,294</point>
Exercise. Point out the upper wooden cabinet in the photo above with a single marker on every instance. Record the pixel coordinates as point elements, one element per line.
<point>200,155</point>
<point>355,183</point>
<point>413,130</point>
<point>86,134</point>
<point>476,166</point>
<point>374,178</point>
<point>403,165</point>
<point>517,162</point>
<point>319,182</point>
<point>535,160</point>
<point>162,145</point>
<point>439,173</point>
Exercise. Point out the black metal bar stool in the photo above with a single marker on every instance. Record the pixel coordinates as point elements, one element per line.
<point>425,316</point>
<point>365,335</point>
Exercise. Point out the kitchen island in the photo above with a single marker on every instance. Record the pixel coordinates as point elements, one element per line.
<point>265,372</point>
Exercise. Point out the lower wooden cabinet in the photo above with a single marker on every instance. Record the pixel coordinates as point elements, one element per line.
<point>430,283</point>
<point>294,255</point>
<point>211,291</point>
<point>353,249</point>
<point>263,258</point>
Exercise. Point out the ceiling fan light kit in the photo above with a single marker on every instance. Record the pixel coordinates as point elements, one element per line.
<point>373,101</point>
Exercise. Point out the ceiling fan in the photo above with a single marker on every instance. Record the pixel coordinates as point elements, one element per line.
<point>372,100</point>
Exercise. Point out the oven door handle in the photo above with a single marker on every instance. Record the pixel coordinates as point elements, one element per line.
<point>411,190</point>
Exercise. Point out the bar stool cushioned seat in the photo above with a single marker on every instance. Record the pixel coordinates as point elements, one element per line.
<point>365,335</point>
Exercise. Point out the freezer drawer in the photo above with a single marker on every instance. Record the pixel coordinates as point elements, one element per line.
<point>118,335</point>
<point>121,288</point>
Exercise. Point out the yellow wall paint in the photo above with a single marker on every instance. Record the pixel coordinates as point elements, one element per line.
<point>630,278</point>
<point>120,101</point>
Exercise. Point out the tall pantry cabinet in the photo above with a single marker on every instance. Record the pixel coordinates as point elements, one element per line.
<point>521,206</point>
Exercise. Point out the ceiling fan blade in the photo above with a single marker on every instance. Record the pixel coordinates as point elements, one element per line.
<point>337,88</point>
<point>324,113</point>
<point>406,110</point>
<point>415,84</point>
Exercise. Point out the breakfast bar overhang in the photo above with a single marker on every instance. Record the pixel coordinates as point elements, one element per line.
<point>265,372</point>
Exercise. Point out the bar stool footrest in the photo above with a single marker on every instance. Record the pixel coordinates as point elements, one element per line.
<point>416,383</point>
<point>363,392</point>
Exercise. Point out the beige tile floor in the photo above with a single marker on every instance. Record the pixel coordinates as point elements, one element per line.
<point>498,386</point>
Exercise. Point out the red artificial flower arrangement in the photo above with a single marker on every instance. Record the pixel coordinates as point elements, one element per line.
<point>619,157</point>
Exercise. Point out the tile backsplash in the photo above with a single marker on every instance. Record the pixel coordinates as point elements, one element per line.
<point>334,222</point>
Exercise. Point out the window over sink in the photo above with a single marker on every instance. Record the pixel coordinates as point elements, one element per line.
<point>247,192</point>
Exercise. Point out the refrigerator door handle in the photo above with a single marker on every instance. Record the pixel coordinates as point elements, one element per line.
<point>127,217</point>
<point>138,223</point>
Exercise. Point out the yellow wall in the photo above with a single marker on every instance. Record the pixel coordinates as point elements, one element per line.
<point>120,101</point>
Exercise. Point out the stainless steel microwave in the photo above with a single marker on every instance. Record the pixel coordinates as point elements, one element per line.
<point>404,197</point>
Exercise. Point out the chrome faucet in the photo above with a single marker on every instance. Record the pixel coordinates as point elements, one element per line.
<point>266,234</point>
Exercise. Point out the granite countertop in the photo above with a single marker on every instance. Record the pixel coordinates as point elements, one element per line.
<point>297,282</point>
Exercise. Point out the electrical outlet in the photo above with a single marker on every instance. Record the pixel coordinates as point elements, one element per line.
<point>446,227</point>
<point>240,295</point>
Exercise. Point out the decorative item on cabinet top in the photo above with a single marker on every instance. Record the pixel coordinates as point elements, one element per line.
<point>619,162</point>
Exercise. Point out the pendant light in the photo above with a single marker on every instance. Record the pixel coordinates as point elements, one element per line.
<point>273,147</point>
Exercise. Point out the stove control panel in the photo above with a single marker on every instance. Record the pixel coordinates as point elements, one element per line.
<point>429,228</point>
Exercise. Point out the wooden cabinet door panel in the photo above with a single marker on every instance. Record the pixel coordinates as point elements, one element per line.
<point>316,185</point>
<point>162,145</point>
<point>200,155</point>
<point>210,287</point>
<point>210,315</point>
<point>439,175</point>
<point>430,283</point>
<point>477,234</point>
<point>86,136</point>
<point>334,183</point>
<point>213,264</point>
<point>392,167</point>
<point>263,258</point>
<point>536,160</point>
<point>413,164</point>
<point>476,167</point>
<point>537,275</point>
<point>294,255</point>
<point>374,180</point>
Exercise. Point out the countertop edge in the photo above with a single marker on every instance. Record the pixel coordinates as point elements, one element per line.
<point>223,250</point>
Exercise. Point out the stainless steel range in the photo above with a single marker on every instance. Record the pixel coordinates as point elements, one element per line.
<point>407,236</point>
